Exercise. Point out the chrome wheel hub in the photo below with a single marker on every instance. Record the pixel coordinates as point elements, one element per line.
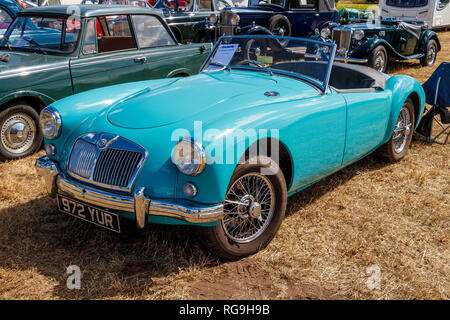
<point>248,207</point>
<point>17,133</point>
<point>402,130</point>
<point>431,55</point>
<point>380,62</point>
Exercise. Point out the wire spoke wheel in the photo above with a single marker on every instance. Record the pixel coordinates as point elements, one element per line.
<point>249,207</point>
<point>402,130</point>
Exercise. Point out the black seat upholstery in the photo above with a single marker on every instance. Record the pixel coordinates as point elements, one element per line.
<point>343,76</point>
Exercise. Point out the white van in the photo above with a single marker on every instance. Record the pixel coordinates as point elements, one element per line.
<point>436,13</point>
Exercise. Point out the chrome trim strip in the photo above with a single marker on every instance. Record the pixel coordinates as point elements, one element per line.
<point>138,203</point>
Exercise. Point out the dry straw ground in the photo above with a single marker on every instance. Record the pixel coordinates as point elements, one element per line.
<point>395,216</point>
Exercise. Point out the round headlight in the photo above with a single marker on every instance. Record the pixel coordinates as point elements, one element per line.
<point>213,18</point>
<point>325,33</point>
<point>189,157</point>
<point>50,122</point>
<point>235,19</point>
<point>358,35</point>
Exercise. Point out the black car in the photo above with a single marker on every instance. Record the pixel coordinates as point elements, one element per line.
<point>188,18</point>
<point>297,18</point>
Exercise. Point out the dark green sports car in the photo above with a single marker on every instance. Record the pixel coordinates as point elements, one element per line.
<point>376,41</point>
<point>49,53</point>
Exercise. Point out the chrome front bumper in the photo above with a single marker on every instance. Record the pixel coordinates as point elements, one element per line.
<point>138,203</point>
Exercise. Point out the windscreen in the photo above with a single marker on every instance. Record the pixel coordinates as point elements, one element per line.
<point>305,59</point>
<point>42,34</point>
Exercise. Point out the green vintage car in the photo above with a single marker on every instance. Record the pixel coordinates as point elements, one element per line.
<point>49,53</point>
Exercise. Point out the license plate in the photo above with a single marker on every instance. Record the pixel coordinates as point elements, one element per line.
<point>99,217</point>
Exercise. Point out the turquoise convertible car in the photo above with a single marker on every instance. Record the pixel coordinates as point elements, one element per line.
<point>265,117</point>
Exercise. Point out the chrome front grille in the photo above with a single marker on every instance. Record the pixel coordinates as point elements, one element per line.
<point>106,160</point>
<point>82,159</point>
<point>115,167</point>
<point>225,23</point>
<point>342,37</point>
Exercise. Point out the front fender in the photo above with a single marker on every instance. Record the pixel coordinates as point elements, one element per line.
<point>255,30</point>
<point>401,87</point>
<point>26,94</point>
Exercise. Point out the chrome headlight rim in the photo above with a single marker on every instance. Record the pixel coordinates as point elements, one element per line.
<point>325,33</point>
<point>358,35</point>
<point>50,113</point>
<point>213,18</point>
<point>197,150</point>
<point>235,19</point>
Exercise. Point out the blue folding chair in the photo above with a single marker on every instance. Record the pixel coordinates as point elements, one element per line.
<point>437,91</point>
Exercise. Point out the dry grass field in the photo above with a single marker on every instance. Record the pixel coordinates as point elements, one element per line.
<point>394,216</point>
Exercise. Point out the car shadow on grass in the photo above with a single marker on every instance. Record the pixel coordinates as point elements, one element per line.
<point>35,236</point>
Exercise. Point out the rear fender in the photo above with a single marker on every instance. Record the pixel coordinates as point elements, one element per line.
<point>401,87</point>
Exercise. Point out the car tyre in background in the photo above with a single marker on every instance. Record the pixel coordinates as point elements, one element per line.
<point>254,208</point>
<point>397,146</point>
<point>279,25</point>
<point>20,134</point>
<point>430,54</point>
<point>378,59</point>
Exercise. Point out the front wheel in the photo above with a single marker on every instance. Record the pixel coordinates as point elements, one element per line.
<point>254,208</point>
<point>378,59</point>
<point>397,146</point>
<point>20,135</point>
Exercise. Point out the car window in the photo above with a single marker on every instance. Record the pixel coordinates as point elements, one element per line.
<point>204,5</point>
<point>44,34</point>
<point>150,32</point>
<point>276,2</point>
<point>90,39</point>
<point>5,21</point>
<point>407,3</point>
<point>303,4</point>
<point>176,5</point>
<point>116,34</point>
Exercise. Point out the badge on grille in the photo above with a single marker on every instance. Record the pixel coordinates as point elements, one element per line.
<point>102,143</point>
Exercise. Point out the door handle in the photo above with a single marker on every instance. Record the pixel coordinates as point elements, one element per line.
<point>140,59</point>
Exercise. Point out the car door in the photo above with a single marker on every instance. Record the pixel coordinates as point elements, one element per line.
<point>367,120</point>
<point>108,56</point>
<point>303,15</point>
<point>406,42</point>
<point>316,137</point>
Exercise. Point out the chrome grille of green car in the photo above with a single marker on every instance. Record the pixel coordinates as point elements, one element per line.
<point>225,23</point>
<point>106,160</point>
<point>342,37</point>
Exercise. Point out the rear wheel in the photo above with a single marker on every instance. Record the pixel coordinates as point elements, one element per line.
<point>397,146</point>
<point>430,55</point>
<point>19,131</point>
<point>254,208</point>
<point>378,59</point>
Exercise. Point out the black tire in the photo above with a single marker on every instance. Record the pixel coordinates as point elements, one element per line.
<point>378,59</point>
<point>252,45</point>
<point>218,240</point>
<point>388,150</point>
<point>430,54</point>
<point>278,22</point>
<point>23,113</point>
